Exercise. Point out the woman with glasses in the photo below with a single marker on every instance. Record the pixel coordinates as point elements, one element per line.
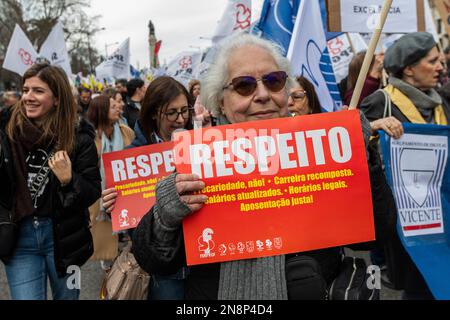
<point>303,98</point>
<point>247,82</point>
<point>167,106</point>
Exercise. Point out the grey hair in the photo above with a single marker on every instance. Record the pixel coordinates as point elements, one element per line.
<point>217,75</point>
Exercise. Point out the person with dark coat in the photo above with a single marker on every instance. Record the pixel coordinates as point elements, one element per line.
<point>136,91</point>
<point>50,176</point>
<point>414,67</point>
<point>167,106</point>
<point>158,242</point>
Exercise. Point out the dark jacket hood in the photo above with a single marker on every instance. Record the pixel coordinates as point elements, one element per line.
<point>85,127</point>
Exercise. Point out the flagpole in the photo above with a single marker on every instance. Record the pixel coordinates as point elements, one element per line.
<point>369,55</point>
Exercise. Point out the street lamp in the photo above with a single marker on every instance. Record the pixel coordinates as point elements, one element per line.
<point>107,45</point>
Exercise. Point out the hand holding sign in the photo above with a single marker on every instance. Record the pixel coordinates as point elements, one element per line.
<point>187,185</point>
<point>109,199</point>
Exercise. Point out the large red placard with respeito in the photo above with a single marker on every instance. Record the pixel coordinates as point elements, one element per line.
<point>134,174</point>
<point>277,187</point>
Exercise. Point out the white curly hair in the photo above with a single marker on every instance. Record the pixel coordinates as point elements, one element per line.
<point>217,75</point>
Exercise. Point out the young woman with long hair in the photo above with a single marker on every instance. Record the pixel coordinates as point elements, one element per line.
<point>50,177</point>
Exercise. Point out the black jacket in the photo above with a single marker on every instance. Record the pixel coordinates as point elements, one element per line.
<point>402,271</point>
<point>72,238</point>
<point>131,113</point>
<point>373,108</point>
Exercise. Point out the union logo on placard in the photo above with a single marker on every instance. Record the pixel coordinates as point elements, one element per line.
<point>417,176</point>
<point>206,244</point>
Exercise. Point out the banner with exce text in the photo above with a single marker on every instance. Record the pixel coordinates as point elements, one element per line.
<point>277,187</point>
<point>134,174</point>
<point>362,16</point>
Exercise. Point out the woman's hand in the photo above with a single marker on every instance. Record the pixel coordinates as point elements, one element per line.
<point>390,125</point>
<point>187,185</point>
<point>109,199</point>
<point>61,166</point>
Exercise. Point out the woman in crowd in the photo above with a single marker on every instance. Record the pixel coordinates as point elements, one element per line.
<point>104,114</point>
<point>414,67</point>
<point>247,82</point>
<point>167,106</point>
<point>50,177</point>
<point>194,88</point>
<point>373,80</point>
<point>118,98</point>
<point>303,98</point>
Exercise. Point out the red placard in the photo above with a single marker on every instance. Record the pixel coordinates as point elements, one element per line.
<point>134,174</point>
<point>277,187</point>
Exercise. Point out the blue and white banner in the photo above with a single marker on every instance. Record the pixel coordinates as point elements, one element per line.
<point>417,167</point>
<point>309,55</point>
<point>277,21</point>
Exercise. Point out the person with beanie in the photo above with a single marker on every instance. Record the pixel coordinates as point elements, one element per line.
<point>414,66</point>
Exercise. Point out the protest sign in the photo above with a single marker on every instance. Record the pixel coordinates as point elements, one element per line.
<point>301,185</point>
<point>418,171</point>
<point>405,16</point>
<point>134,174</point>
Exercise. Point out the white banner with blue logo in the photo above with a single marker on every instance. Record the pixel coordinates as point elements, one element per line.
<point>309,55</point>
<point>418,171</point>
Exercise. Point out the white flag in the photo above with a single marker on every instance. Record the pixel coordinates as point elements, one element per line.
<point>20,54</point>
<point>117,65</point>
<point>183,67</point>
<point>54,49</point>
<point>309,56</point>
<point>236,18</point>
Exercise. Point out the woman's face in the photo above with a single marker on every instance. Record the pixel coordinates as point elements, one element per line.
<point>262,104</point>
<point>38,99</point>
<point>298,102</point>
<point>119,101</point>
<point>425,74</point>
<point>114,113</point>
<point>196,91</point>
<point>170,118</point>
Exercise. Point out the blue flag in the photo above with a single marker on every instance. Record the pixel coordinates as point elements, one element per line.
<point>135,74</point>
<point>418,171</point>
<point>278,19</point>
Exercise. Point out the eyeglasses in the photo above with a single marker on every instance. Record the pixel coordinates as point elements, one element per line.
<point>298,95</point>
<point>173,115</point>
<point>246,85</point>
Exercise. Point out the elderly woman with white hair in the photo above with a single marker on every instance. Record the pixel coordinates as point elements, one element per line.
<point>247,82</point>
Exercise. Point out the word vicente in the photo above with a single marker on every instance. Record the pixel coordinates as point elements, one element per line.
<point>266,154</point>
<point>142,166</point>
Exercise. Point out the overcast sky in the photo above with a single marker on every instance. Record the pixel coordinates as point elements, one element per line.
<point>178,23</point>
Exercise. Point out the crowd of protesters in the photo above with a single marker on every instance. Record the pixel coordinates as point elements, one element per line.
<point>65,220</point>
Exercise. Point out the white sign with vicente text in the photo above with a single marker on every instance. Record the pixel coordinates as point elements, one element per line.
<point>418,165</point>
